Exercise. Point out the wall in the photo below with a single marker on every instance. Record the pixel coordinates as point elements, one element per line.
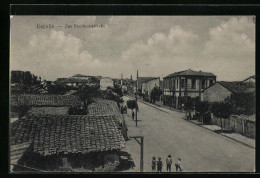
<point>216,93</point>
<point>237,123</point>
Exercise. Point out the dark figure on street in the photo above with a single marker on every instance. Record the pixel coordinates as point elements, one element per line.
<point>159,165</point>
<point>178,165</point>
<point>169,163</point>
<point>154,164</point>
<point>133,115</point>
<point>125,109</point>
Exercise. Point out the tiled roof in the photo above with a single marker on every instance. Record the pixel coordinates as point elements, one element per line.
<point>68,134</point>
<point>190,72</point>
<point>49,110</point>
<point>238,86</point>
<point>103,107</point>
<point>44,100</point>
<point>145,79</point>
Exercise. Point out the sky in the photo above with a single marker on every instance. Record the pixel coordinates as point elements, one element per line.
<point>154,45</point>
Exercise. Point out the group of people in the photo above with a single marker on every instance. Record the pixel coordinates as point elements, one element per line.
<point>159,164</point>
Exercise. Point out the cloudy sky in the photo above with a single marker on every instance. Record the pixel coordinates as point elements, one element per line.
<point>155,45</point>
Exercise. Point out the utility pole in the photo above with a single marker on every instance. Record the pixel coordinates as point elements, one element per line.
<point>141,143</point>
<point>136,98</point>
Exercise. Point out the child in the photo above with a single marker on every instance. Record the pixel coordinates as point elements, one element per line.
<point>169,163</point>
<point>159,165</point>
<point>153,164</point>
<point>178,165</point>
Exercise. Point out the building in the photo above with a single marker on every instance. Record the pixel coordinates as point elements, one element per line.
<point>222,89</point>
<point>106,82</point>
<point>65,143</point>
<point>187,83</point>
<point>148,86</point>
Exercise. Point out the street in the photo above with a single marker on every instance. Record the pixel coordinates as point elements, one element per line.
<point>200,150</point>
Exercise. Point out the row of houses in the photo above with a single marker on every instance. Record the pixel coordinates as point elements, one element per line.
<point>198,85</point>
<point>78,80</point>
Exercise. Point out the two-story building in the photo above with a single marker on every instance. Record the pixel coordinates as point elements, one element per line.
<point>187,83</point>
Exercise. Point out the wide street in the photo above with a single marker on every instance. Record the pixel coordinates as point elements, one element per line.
<point>200,150</point>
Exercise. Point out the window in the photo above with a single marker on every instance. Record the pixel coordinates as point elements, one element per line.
<point>177,84</point>
<point>210,82</point>
<point>203,84</point>
<point>193,83</point>
<point>183,83</point>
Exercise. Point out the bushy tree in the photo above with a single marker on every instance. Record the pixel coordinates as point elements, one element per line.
<point>155,94</point>
<point>202,107</point>
<point>242,103</point>
<point>88,93</point>
<point>57,89</point>
<point>131,104</point>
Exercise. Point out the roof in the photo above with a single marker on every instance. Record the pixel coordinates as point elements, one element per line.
<point>237,86</point>
<point>68,134</point>
<point>75,80</point>
<point>60,79</point>
<point>17,151</point>
<point>253,77</point>
<point>49,110</point>
<point>44,100</point>
<point>103,107</point>
<point>190,72</point>
<point>145,79</point>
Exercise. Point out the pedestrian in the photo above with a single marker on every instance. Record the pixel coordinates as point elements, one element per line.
<point>169,163</point>
<point>125,109</point>
<point>159,165</point>
<point>154,164</point>
<point>178,165</point>
<point>133,115</point>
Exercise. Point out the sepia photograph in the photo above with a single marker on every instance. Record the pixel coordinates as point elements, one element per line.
<point>131,94</point>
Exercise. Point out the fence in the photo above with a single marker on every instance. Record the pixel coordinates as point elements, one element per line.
<point>238,123</point>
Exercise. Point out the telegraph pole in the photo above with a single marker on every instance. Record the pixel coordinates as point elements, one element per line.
<point>136,98</point>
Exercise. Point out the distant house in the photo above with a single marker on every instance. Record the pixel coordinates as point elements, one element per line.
<point>222,89</point>
<point>148,86</point>
<point>142,80</point>
<point>65,142</point>
<point>106,82</point>
<point>187,83</point>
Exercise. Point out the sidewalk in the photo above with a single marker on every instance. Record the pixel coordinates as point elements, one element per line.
<point>234,136</point>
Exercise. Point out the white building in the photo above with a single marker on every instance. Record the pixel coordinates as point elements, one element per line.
<point>106,82</point>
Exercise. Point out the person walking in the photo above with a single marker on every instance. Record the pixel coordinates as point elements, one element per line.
<point>178,165</point>
<point>133,115</point>
<point>159,165</point>
<point>154,164</point>
<point>169,163</point>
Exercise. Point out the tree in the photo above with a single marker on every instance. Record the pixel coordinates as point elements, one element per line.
<point>242,103</point>
<point>131,104</point>
<point>221,110</point>
<point>155,94</point>
<point>57,89</point>
<point>88,93</point>
<point>202,107</point>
